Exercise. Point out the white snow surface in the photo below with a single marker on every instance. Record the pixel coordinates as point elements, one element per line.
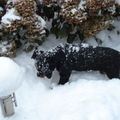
<point>11,76</point>
<point>87,96</point>
<point>118,1</point>
<point>1,9</point>
<point>80,6</point>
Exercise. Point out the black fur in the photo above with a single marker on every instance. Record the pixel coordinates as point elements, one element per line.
<point>68,57</point>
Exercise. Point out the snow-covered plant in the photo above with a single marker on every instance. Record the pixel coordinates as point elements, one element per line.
<point>94,25</point>
<point>35,25</point>
<point>90,16</point>
<point>74,12</point>
<point>21,15</point>
<point>51,10</point>
<point>83,18</point>
<point>8,49</point>
<point>11,21</point>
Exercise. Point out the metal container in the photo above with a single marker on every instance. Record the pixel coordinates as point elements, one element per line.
<point>7,105</point>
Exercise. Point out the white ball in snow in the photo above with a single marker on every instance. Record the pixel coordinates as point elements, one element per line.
<point>11,76</point>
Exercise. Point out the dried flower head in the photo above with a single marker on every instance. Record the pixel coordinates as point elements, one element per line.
<point>49,2</point>
<point>74,11</point>
<point>8,48</point>
<point>25,7</point>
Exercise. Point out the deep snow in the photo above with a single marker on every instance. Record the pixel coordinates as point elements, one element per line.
<point>88,95</point>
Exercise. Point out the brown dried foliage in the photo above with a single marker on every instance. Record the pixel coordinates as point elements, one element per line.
<point>73,16</point>
<point>10,49</point>
<point>25,7</point>
<point>92,18</point>
<point>26,10</point>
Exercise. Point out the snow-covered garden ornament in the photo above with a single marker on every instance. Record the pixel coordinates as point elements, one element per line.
<point>11,77</point>
<point>68,57</point>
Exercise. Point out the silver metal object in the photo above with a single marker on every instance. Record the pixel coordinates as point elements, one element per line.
<point>7,105</point>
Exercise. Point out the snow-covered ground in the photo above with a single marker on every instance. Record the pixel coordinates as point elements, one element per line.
<point>88,95</point>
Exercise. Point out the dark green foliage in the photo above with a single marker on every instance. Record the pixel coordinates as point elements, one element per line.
<point>47,12</point>
<point>62,29</point>
<point>29,48</point>
<point>71,38</point>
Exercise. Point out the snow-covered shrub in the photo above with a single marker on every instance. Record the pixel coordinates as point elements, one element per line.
<point>90,16</point>
<point>74,12</point>
<point>85,18</point>
<point>21,15</point>
<point>11,21</point>
<point>35,25</point>
<point>51,10</point>
<point>8,49</point>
